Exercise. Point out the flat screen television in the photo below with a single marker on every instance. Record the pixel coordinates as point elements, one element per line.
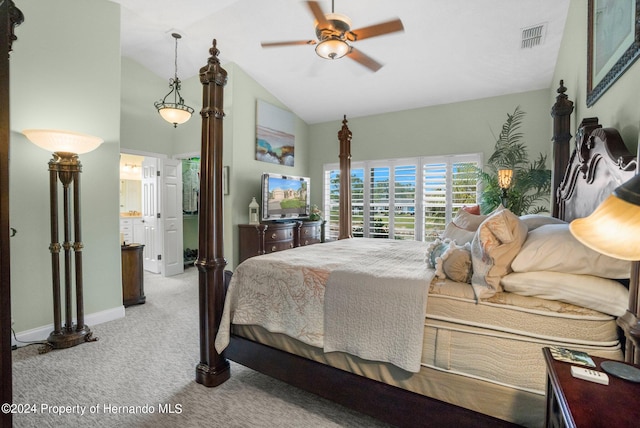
<point>284,197</point>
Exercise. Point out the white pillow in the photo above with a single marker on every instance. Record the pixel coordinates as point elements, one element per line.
<point>553,248</point>
<point>600,294</point>
<point>459,235</point>
<point>467,221</point>
<point>534,221</point>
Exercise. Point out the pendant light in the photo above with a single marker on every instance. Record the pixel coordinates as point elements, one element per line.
<point>175,112</point>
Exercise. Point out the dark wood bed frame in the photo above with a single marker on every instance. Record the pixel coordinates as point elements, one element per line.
<point>11,17</point>
<point>596,148</point>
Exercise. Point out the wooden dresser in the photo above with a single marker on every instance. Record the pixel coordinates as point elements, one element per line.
<point>263,238</point>
<point>132,274</point>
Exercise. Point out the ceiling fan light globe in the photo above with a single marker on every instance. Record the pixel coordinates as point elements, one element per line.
<point>332,48</point>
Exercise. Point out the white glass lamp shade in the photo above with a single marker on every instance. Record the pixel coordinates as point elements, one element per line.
<point>613,228</point>
<point>63,141</point>
<point>175,113</point>
<point>332,48</point>
<point>504,178</point>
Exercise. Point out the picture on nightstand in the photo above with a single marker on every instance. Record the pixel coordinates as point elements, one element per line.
<point>571,356</point>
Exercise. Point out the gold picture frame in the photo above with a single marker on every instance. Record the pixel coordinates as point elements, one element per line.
<point>613,43</point>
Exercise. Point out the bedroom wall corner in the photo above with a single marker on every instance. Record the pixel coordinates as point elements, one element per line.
<point>618,107</point>
<point>142,128</point>
<point>65,47</point>
<point>245,170</point>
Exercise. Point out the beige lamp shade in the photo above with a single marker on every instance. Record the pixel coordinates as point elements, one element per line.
<point>63,141</point>
<point>175,113</point>
<point>614,227</point>
<point>504,178</point>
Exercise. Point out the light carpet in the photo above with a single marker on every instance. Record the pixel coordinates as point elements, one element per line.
<point>141,371</point>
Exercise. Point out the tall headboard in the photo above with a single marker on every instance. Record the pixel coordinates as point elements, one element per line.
<point>599,163</point>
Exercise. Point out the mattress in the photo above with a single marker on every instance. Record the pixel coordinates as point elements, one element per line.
<point>485,356</point>
<point>499,339</point>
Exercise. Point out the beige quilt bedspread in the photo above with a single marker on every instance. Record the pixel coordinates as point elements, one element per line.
<point>284,292</point>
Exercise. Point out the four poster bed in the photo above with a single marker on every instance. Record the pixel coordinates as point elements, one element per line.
<point>477,359</point>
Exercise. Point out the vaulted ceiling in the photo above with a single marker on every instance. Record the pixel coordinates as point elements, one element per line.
<point>449,51</point>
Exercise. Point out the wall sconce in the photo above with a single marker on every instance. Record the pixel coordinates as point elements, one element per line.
<point>613,229</point>
<point>505,176</point>
<point>65,166</point>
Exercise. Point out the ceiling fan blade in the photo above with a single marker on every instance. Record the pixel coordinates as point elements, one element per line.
<point>365,60</point>
<point>378,29</point>
<point>318,14</point>
<point>287,43</point>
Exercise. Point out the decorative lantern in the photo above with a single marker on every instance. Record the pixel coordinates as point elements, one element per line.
<point>254,218</point>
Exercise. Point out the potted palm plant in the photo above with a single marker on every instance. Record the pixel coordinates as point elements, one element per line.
<point>530,181</point>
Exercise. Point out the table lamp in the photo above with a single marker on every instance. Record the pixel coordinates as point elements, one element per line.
<point>613,229</point>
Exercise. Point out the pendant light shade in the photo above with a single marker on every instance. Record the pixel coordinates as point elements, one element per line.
<point>173,109</point>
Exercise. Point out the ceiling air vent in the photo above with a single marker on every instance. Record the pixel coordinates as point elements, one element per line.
<point>532,36</point>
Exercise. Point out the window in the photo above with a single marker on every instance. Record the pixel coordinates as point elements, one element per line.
<point>402,198</point>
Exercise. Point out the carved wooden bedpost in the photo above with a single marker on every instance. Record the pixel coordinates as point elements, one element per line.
<point>561,113</point>
<point>213,368</point>
<point>11,16</point>
<point>344,136</point>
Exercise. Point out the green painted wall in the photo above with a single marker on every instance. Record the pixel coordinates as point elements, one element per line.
<point>65,74</point>
<point>140,124</point>
<point>245,172</point>
<point>618,107</point>
<point>465,127</point>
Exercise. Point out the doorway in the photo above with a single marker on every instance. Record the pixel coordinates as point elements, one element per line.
<point>151,210</point>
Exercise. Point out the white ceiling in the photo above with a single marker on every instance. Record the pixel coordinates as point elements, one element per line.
<point>450,50</point>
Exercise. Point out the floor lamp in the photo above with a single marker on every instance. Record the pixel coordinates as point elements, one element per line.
<point>65,166</point>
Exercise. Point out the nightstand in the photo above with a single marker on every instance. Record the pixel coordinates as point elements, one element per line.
<point>573,402</point>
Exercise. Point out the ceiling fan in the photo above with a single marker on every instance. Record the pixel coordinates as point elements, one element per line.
<point>334,35</point>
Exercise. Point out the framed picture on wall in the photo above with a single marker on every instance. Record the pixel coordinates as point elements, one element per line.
<point>275,134</point>
<point>613,43</point>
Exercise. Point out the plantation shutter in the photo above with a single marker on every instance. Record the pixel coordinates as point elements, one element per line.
<point>434,198</point>
<point>403,198</point>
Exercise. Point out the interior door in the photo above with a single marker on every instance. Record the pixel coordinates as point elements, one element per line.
<point>150,209</point>
<point>173,252</point>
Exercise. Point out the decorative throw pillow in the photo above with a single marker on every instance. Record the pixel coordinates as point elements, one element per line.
<point>553,248</point>
<point>466,220</point>
<point>497,242</point>
<point>435,250</point>
<point>457,263</point>
<point>600,294</point>
<point>473,209</point>
<point>450,260</point>
<point>534,221</point>
<point>459,235</point>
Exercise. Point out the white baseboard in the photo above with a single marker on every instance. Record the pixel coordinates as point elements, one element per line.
<point>40,334</point>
